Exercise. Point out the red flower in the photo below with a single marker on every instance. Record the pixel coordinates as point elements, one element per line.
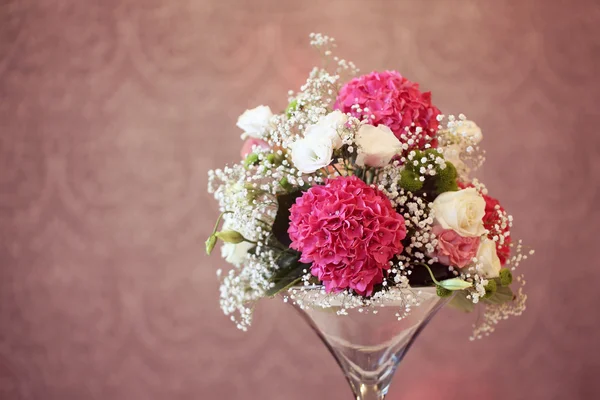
<point>348,231</point>
<point>493,220</point>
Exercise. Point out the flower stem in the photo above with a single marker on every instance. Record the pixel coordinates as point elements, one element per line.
<point>219,220</point>
<point>336,170</point>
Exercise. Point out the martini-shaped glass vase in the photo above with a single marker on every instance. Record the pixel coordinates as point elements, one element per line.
<point>369,346</point>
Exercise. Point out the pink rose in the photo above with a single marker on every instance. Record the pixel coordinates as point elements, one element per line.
<point>250,143</point>
<point>454,249</point>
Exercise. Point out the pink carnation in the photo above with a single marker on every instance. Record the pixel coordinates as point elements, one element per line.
<point>395,102</point>
<point>454,249</point>
<point>348,231</point>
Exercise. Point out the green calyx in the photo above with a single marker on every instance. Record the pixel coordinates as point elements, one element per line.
<point>490,289</point>
<point>506,277</point>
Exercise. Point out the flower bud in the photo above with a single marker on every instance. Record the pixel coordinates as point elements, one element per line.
<point>230,237</point>
<point>210,243</point>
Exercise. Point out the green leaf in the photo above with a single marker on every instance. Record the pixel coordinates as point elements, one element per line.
<point>503,294</point>
<point>455,284</point>
<point>230,236</point>
<point>282,219</point>
<point>289,273</point>
<point>460,302</point>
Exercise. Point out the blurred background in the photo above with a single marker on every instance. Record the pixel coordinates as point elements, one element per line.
<point>111,113</point>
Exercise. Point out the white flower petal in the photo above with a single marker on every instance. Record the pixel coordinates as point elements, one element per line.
<point>378,145</point>
<point>255,122</point>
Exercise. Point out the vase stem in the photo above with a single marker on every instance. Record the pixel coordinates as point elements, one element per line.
<point>369,392</point>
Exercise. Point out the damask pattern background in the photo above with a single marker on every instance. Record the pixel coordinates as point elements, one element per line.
<point>112,111</point>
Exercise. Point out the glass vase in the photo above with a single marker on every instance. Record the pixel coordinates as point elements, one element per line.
<point>368,344</point>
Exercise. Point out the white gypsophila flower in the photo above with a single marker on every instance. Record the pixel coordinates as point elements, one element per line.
<point>329,126</point>
<point>255,122</point>
<point>462,211</point>
<point>452,153</point>
<point>311,153</point>
<point>377,144</point>
<point>488,263</point>
<point>470,130</point>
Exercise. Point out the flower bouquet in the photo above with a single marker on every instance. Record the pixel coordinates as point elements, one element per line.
<point>356,204</point>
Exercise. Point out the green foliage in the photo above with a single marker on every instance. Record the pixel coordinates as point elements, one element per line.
<point>460,302</point>
<point>506,277</point>
<point>287,186</point>
<point>502,295</point>
<point>490,289</point>
<point>274,158</point>
<point>289,273</point>
<point>251,159</point>
<point>445,179</point>
<point>293,106</point>
<point>409,180</point>
<point>282,219</point>
<point>443,292</point>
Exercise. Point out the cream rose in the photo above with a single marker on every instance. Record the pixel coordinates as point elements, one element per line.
<point>377,145</point>
<point>462,211</point>
<point>329,127</point>
<point>311,153</point>
<point>235,254</point>
<point>452,154</point>
<point>255,122</point>
<point>470,130</point>
<point>488,263</point>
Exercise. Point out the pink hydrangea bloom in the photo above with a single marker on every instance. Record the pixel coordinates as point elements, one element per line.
<point>394,101</point>
<point>348,231</point>
<point>454,249</point>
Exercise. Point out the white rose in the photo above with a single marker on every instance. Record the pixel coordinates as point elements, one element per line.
<point>255,122</point>
<point>488,263</point>
<point>377,144</point>
<point>235,254</point>
<point>311,153</point>
<point>462,211</point>
<point>470,130</point>
<point>329,126</point>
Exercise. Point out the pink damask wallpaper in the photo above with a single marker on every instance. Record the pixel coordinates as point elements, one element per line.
<point>112,111</point>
